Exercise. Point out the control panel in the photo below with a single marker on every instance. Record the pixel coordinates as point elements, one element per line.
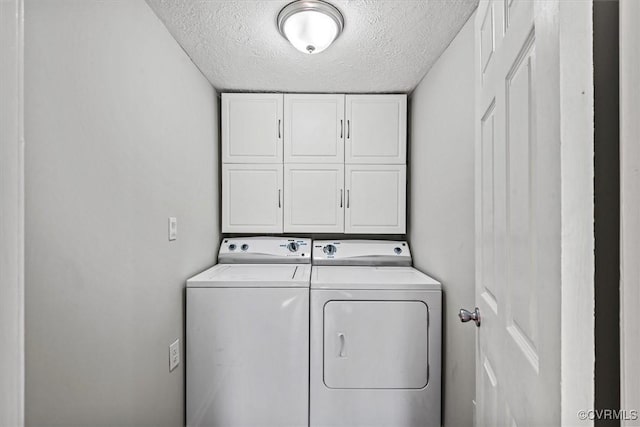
<point>264,250</point>
<point>361,252</point>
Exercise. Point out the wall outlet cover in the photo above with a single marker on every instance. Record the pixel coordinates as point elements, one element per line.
<point>174,355</point>
<point>173,228</point>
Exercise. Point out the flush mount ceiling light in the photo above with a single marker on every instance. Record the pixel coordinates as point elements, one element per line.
<point>310,25</point>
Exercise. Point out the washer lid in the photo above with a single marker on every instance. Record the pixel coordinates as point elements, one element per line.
<point>382,278</point>
<point>253,276</point>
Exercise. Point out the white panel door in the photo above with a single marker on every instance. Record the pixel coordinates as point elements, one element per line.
<point>314,198</point>
<point>313,128</point>
<point>375,199</point>
<point>376,344</point>
<point>376,129</point>
<point>252,127</point>
<point>517,216</point>
<point>252,198</point>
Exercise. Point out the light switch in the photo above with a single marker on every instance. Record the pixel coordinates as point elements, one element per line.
<point>174,355</point>
<point>173,228</point>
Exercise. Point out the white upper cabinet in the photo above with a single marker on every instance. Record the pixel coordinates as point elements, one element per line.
<point>314,198</point>
<point>376,129</point>
<point>375,199</point>
<point>314,127</point>
<point>313,163</point>
<point>252,127</point>
<point>252,198</point>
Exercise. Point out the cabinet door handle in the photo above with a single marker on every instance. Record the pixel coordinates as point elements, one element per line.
<point>341,128</point>
<point>347,199</point>
<point>279,199</point>
<point>348,129</point>
<point>279,129</point>
<point>341,198</point>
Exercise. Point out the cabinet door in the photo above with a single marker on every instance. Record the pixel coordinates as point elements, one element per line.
<point>375,199</point>
<point>252,127</point>
<point>376,129</point>
<point>314,128</point>
<point>314,198</point>
<point>252,198</point>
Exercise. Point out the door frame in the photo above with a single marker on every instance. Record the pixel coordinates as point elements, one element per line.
<point>12,213</point>
<point>629,206</point>
<point>577,364</point>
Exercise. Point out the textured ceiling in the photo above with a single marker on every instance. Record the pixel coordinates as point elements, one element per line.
<point>386,46</point>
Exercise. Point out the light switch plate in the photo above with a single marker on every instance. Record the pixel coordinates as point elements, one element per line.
<point>174,355</point>
<point>173,228</point>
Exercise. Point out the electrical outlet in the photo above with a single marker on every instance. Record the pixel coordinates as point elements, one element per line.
<point>174,355</point>
<point>173,228</point>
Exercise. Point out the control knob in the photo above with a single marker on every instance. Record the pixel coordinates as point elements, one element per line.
<point>329,249</point>
<point>293,247</point>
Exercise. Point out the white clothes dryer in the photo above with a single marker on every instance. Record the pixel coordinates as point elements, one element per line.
<point>375,337</point>
<point>247,343</point>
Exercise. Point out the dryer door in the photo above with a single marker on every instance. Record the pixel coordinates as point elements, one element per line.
<point>376,344</point>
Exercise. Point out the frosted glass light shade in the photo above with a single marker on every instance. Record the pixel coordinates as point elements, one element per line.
<point>310,25</point>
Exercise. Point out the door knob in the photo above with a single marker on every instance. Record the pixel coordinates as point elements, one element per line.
<point>466,315</point>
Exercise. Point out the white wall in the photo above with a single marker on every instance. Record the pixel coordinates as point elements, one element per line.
<point>121,133</point>
<point>441,208</point>
<point>11,215</point>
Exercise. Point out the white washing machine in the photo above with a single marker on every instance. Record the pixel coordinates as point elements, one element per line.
<point>247,343</point>
<point>376,331</point>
